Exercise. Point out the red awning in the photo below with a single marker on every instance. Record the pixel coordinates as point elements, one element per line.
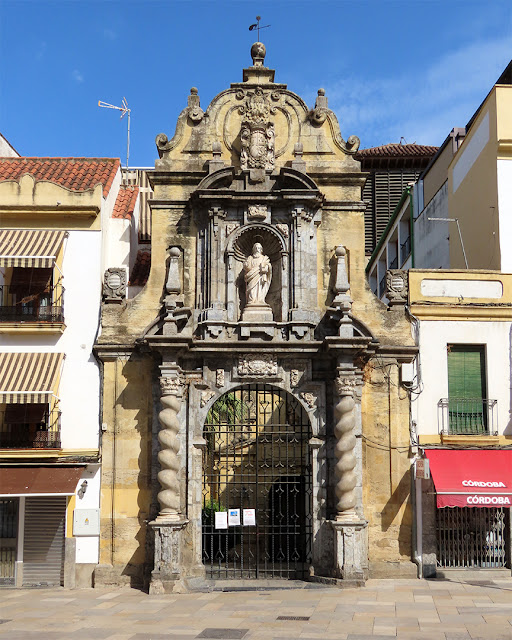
<point>39,480</point>
<point>468,478</point>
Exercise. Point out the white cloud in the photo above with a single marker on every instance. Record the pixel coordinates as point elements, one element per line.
<point>423,107</point>
<point>77,76</point>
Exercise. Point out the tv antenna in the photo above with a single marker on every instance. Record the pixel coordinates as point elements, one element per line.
<point>256,25</point>
<point>124,111</point>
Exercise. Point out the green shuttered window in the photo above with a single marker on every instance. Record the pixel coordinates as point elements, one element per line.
<point>467,390</point>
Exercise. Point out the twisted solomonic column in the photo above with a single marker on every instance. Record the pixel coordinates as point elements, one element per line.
<point>169,497</point>
<point>346,477</point>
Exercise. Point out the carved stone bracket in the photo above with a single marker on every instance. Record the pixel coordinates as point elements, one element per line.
<point>206,396</point>
<point>220,378</point>
<point>257,366</point>
<point>309,398</point>
<point>318,115</point>
<point>114,285</point>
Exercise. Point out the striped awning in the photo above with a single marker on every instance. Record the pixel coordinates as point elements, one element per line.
<point>29,247</point>
<point>29,377</point>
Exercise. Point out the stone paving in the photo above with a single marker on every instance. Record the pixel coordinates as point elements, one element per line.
<point>449,609</point>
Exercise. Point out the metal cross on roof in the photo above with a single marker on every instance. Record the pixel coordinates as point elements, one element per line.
<point>256,25</point>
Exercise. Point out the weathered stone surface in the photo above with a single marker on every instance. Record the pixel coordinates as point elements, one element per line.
<point>281,177</point>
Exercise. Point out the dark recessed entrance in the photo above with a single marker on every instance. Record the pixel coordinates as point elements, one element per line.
<point>257,458</point>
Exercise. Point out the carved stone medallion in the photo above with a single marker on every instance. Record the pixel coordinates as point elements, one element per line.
<point>309,398</point>
<point>397,289</point>
<point>206,396</point>
<point>263,365</point>
<point>114,285</point>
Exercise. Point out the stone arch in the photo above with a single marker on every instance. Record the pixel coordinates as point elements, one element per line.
<point>257,456</point>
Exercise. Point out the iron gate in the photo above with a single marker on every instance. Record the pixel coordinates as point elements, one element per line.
<point>472,537</point>
<point>257,457</point>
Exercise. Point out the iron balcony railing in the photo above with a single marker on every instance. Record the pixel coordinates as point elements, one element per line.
<point>405,249</point>
<point>468,416</point>
<point>29,433</point>
<point>382,286</point>
<point>23,305</point>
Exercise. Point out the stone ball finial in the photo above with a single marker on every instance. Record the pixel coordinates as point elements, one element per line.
<point>194,91</point>
<point>258,53</point>
<point>321,92</point>
<point>175,252</point>
<point>340,251</point>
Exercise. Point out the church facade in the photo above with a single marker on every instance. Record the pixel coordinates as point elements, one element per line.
<point>254,421</point>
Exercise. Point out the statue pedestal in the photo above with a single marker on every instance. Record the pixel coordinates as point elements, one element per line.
<point>257,313</point>
<point>167,554</point>
<point>350,550</point>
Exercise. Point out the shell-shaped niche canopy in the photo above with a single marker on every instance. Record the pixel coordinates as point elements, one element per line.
<point>248,236</point>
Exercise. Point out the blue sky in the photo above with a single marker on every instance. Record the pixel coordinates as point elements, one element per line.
<point>391,69</point>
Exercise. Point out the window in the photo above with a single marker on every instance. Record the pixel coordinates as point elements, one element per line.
<point>467,404</point>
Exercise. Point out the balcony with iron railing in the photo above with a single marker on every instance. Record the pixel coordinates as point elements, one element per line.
<point>30,431</point>
<point>25,305</point>
<point>382,286</point>
<point>405,250</point>
<point>468,417</point>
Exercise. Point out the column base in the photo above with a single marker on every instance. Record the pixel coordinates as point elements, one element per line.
<point>350,549</point>
<point>166,574</point>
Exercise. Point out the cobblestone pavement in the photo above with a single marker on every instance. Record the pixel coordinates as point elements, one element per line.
<point>446,609</point>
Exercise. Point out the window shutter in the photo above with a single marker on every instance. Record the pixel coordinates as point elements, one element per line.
<point>466,389</point>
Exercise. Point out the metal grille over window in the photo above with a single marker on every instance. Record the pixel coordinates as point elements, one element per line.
<point>257,486</point>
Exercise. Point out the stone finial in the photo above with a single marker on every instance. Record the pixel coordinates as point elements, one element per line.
<point>318,115</point>
<point>195,113</point>
<point>258,53</point>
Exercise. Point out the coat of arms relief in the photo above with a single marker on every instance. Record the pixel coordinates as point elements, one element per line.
<point>257,135</point>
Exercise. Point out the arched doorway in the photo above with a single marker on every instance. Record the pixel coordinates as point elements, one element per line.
<point>257,468</point>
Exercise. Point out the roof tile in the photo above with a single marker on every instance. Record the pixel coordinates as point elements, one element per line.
<point>141,268</point>
<point>394,150</point>
<point>125,202</point>
<point>75,174</point>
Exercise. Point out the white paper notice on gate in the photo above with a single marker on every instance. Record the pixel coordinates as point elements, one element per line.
<point>234,517</point>
<point>249,517</point>
<point>221,520</point>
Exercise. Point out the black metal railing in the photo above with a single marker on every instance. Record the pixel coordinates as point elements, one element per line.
<point>27,433</point>
<point>382,286</point>
<point>467,416</point>
<point>394,263</point>
<point>19,304</point>
<point>405,249</point>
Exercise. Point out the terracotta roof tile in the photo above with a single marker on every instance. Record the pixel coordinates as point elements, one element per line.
<point>141,268</point>
<point>75,174</point>
<point>125,202</point>
<point>401,150</point>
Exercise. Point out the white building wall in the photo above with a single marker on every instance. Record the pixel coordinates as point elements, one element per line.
<point>80,384</point>
<point>434,336</point>
<point>505,213</point>
<point>87,547</point>
<point>431,238</point>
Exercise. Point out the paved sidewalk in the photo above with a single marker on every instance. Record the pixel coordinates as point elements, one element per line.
<point>440,609</point>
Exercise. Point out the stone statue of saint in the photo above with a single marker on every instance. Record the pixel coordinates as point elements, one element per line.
<point>257,275</point>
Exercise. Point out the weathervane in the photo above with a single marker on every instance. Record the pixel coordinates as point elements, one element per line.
<point>257,26</point>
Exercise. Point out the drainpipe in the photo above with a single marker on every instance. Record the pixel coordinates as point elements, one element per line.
<point>419,527</point>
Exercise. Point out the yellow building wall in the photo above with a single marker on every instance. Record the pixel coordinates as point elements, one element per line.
<point>475,202</point>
